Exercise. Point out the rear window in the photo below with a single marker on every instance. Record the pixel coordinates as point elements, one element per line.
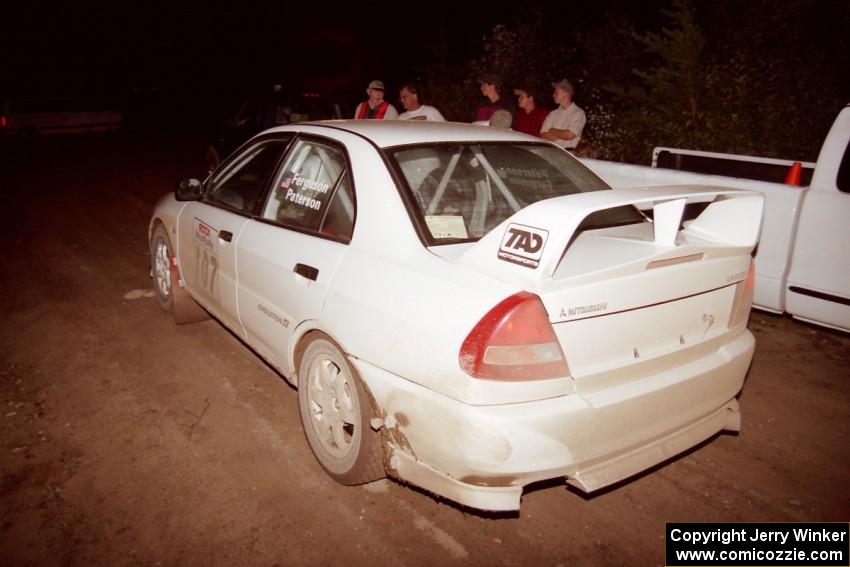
<point>461,192</point>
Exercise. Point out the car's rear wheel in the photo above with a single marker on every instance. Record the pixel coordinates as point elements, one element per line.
<point>335,413</point>
<point>166,282</point>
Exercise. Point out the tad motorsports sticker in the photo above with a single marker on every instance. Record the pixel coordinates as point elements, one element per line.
<point>523,245</point>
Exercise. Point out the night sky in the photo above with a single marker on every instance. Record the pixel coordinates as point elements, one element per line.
<point>196,51</point>
<point>68,46</point>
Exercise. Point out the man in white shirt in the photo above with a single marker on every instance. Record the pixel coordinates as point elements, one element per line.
<point>414,110</point>
<point>563,125</point>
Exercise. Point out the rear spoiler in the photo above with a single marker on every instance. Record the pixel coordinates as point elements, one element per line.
<point>529,245</point>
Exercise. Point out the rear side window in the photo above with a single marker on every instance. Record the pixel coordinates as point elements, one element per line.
<point>312,191</point>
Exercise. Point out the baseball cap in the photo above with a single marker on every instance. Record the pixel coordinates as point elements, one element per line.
<point>377,85</point>
<point>565,85</point>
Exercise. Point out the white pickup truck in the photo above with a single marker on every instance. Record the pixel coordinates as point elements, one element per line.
<point>803,259</point>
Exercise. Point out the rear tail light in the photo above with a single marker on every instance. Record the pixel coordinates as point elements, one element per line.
<point>3,121</point>
<point>514,341</point>
<point>743,297</point>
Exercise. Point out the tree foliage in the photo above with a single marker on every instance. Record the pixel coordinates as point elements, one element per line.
<point>668,106</point>
<point>737,90</point>
<point>519,53</point>
<point>761,77</point>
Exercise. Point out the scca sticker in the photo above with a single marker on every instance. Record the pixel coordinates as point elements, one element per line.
<point>203,233</point>
<point>523,245</point>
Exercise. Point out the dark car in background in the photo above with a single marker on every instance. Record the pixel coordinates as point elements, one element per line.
<point>255,113</point>
<point>33,115</point>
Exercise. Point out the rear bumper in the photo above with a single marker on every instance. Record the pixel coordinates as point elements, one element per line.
<point>483,456</point>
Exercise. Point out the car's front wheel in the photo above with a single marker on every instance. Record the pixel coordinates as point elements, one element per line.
<point>161,268</point>
<point>166,282</point>
<point>335,413</point>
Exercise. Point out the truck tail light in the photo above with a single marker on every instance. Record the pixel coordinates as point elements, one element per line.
<point>514,341</point>
<point>743,297</point>
<point>3,121</point>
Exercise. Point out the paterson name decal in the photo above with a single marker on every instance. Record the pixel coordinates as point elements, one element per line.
<point>523,245</point>
<point>294,186</point>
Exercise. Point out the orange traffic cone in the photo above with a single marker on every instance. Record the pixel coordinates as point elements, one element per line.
<point>793,177</point>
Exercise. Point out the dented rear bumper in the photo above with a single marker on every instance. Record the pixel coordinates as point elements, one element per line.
<point>483,456</point>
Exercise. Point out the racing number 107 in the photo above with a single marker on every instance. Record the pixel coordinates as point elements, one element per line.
<point>206,266</point>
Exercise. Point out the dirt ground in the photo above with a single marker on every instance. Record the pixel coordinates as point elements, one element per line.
<point>129,440</point>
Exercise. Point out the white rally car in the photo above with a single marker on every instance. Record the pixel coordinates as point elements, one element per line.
<point>469,309</point>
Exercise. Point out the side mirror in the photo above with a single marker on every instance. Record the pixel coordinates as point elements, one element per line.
<point>189,190</point>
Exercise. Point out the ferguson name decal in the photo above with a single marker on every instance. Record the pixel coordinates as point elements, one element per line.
<point>523,245</point>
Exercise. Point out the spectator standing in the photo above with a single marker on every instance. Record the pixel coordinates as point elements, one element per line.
<point>375,107</point>
<point>529,117</point>
<point>563,125</point>
<point>414,110</point>
<point>491,86</point>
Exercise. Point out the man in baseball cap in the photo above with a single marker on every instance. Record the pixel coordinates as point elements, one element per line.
<point>375,107</point>
<point>563,126</point>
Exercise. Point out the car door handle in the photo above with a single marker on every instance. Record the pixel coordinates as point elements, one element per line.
<point>308,272</point>
<point>225,235</point>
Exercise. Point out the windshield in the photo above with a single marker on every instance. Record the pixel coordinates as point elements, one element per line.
<point>462,191</point>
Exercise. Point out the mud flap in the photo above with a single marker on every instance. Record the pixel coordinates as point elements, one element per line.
<point>186,309</point>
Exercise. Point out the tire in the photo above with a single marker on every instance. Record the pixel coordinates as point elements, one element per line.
<point>166,282</point>
<point>162,268</point>
<point>335,413</point>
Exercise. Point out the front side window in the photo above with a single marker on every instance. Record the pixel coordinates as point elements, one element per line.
<point>241,184</point>
<point>312,191</point>
<point>462,191</point>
